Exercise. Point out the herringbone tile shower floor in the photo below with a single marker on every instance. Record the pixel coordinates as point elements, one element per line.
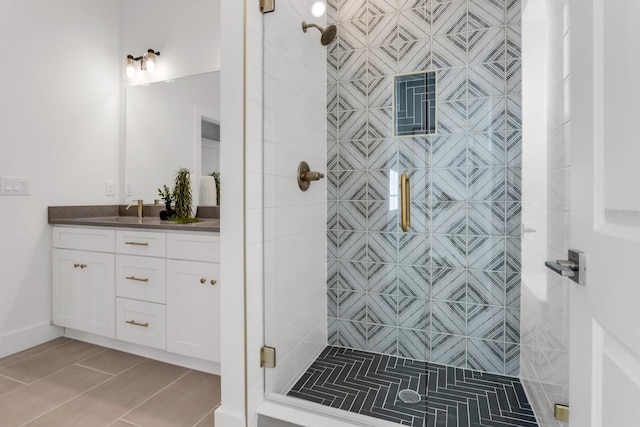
<point>368,384</point>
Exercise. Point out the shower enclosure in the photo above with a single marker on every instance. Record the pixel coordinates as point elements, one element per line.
<point>392,285</point>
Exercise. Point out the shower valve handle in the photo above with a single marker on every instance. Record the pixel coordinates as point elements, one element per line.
<point>306,175</point>
<point>311,176</point>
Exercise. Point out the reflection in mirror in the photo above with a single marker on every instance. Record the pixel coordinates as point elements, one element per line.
<point>210,166</point>
<point>168,125</point>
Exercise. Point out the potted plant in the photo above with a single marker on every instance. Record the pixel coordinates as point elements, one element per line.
<point>165,194</point>
<point>182,198</point>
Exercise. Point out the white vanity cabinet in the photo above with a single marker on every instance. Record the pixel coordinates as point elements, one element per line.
<point>154,288</point>
<point>83,280</point>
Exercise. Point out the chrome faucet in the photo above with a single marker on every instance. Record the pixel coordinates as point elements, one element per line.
<point>140,204</point>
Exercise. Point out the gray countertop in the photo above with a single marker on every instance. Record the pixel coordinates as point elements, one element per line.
<point>108,216</point>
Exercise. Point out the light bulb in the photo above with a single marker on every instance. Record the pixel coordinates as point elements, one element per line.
<point>130,72</point>
<point>318,9</point>
<point>149,62</point>
<point>130,68</point>
<point>151,66</point>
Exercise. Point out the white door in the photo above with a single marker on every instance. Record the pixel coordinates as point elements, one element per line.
<point>605,218</point>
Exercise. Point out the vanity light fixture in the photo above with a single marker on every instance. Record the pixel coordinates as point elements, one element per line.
<point>148,63</point>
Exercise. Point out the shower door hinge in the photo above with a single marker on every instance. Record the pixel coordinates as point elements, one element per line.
<point>267,357</point>
<point>267,6</point>
<point>561,412</point>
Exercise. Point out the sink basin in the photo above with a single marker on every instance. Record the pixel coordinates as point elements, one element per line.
<point>133,220</point>
<point>152,222</point>
<point>123,219</point>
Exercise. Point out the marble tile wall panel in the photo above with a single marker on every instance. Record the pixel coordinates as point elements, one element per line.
<point>448,291</point>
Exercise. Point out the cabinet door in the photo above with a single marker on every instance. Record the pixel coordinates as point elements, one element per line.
<point>84,291</point>
<point>193,315</point>
<point>67,288</point>
<point>99,293</point>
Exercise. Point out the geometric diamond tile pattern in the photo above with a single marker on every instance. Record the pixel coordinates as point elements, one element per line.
<point>369,383</point>
<point>448,290</point>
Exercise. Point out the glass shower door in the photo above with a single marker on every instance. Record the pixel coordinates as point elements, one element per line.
<point>345,286</point>
<point>294,220</point>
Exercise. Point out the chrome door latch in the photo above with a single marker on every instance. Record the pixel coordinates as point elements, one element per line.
<point>575,268</point>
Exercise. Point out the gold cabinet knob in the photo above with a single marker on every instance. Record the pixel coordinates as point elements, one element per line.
<point>76,265</point>
<point>83,265</point>
<point>213,282</point>
<point>203,280</point>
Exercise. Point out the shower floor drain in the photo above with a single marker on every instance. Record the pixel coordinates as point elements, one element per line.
<point>409,396</point>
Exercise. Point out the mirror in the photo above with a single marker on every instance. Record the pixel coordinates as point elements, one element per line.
<point>172,125</point>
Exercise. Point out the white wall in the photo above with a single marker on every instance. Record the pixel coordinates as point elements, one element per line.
<point>187,34</point>
<point>233,362</point>
<point>59,98</point>
<point>547,121</point>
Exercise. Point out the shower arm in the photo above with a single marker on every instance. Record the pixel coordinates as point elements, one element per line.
<point>305,26</point>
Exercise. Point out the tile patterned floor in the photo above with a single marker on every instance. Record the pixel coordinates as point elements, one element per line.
<point>368,384</point>
<point>71,383</point>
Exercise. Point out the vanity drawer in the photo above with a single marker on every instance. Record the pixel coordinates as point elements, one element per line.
<point>193,247</point>
<point>141,243</point>
<point>141,278</point>
<point>141,322</point>
<point>84,239</point>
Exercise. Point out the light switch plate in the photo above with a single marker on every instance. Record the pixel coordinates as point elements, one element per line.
<point>15,186</point>
<point>109,188</point>
<point>25,186</point>
<point>6,185</point>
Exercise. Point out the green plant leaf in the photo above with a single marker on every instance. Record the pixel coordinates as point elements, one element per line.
<point>182,195</point>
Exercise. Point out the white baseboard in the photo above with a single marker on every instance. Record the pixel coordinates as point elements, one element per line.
<point>300,417</point>
<point>23,339</point>
<point>308,414</point>
<point>228,419</point>
<point>149,352</point>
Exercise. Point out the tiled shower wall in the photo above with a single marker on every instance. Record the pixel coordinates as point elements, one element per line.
<point>294,68</point>
<point>447,291</point>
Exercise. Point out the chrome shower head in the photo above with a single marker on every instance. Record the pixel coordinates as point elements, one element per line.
<point>327,34</point>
